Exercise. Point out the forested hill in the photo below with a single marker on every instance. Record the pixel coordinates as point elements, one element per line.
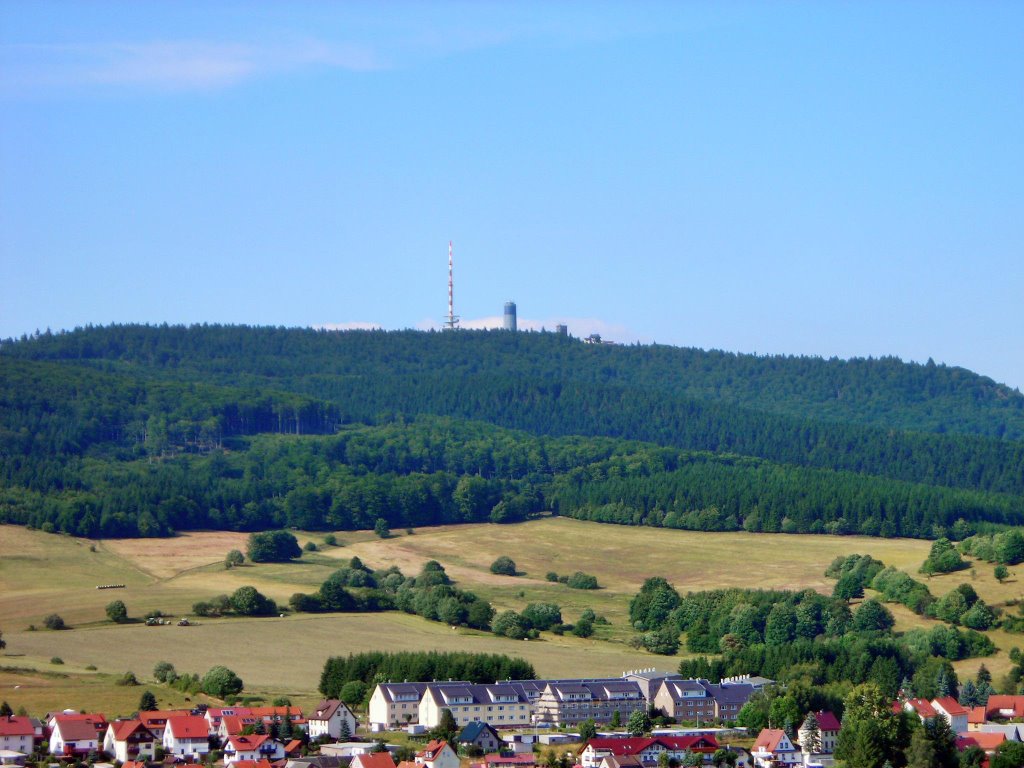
<point>884,392</point>
<point>142,430</point>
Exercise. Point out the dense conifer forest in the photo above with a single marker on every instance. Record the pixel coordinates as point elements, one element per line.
<point>142,430</point>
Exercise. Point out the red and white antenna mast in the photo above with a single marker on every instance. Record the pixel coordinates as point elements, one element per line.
<point>453,321</point>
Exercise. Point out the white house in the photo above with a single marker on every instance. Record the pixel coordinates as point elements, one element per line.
<point>955,714</point>
<point>187,736</point>
<point>773,749</point>
<point>327,718</point>
<point>73,735</point>
<point>438,754</point>
<point>17,734</point>
<point>253,747</point>
<point>127,740</point>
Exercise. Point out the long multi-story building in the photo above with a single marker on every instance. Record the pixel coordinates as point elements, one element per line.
<point>569,702</point>
<point>697,700</point>
<point>503,705</point>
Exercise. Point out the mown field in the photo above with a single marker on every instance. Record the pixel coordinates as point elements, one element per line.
<point>42,574</point>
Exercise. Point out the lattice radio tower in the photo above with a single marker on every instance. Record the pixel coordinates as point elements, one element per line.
<point>453,320</point>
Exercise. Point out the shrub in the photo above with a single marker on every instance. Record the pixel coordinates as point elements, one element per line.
<point>510,624</point>
<point>381,528</point>
<point>331,540</point>
<point>247,601</point>
<point>551,576</point>
<point>504,566</point>
<point>117,612</point>
<point>273,547</point>
<point>580,580</point>
<point>128,678</point>
<point>56,660</point>
<point>53,621</point>
<point>233,558</point>
<point>309,546</point>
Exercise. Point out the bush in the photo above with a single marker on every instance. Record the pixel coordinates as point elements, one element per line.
<point>128,678</point>
<point>353,693</point>
<point>551,576</point>
<point>233,558</point>
<point>504,566</point>
<point>247,601</point>
<point>273,547</point>
<point>220,682</point>
<point>309,546</point>
<point>117,612</point>
<point>580,580</point>
<point>510,624</point>
<point>381,528</point>
<point>164,672</point>
<point>53,621</point>
<point>331,540</point>
<point>56,660</point>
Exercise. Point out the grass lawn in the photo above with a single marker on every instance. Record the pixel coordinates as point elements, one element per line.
<point>42,574</point>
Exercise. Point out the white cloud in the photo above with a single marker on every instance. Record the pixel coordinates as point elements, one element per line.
<point>171,64</point>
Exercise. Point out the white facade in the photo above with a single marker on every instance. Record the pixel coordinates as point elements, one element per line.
<point>327,718</point>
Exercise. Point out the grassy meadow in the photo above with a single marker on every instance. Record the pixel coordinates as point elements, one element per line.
<point>42,574</point>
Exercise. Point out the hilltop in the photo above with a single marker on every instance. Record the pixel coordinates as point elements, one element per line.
<point>142,430</point>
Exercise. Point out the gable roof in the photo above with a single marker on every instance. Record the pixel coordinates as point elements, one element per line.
<point>923,708</point>
<point>620,747</point>
<point>976,716</point>
<point>75,729</point>
<point>950,705</point>
<point>987,741</point>
<point>247,743</point>
<point>264,763</point>
<point>236,723</point>
<point>188,727</point>
<point>122,729</point>
<point>475,729</point>
<point>433,750</point>
<point>1001,705</point>
<point>827,721</point>
<point>375,760</point>
<point>292,745</point>
<point>16,726</point>
<point>769,739</point>
<point>326,709</point>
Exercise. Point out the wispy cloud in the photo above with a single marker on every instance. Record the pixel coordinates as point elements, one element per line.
<point>171,64</point>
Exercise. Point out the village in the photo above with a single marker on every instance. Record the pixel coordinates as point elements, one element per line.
<point>509,724</point>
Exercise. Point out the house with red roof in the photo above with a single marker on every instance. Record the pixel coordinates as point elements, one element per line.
<point>373,760</point>
<point>646,749</point>
<point>438,754</point>
<point>187,736</point>
<point>127,740</point>
<point>773,748</point>
<point>252,747</point>
<point>248,764</point>
<point>1001,707</point>
<point>156,720</point>
<point>214,716</point>
<point>277,715</point>
<point>989,742</point>
<point>232,725</point>
<point>828,731</point>
<point>976,718</point>
<point>75,735</point>
<point>17,734</point>
<point>921,707</point>
<point>327,719</point>
<point>955,715</point>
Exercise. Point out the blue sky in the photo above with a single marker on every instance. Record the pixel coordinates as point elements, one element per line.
<point>802,178</point>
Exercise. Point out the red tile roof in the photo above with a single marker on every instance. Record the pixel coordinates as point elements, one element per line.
<point>987,741</point>
<point>125,728</point>
<point>375,760</point>
<point>233,724</point>
<point>827,721</point>
<point>16,726</point>
<point>188,727</point>
<point>497,759</point>
<point>923,708</point>
<point>248,764</point>
<point>277,712</point>
<point>75,728</point>
<point>950,705</point>
<point>292,745</point>
<point>247,743</point>
<point>976,716</point>
<point>768,739</point>
<point>998,704</point>
<point>433,749</point>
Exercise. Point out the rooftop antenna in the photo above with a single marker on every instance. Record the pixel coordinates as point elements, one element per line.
<point>453,321</point>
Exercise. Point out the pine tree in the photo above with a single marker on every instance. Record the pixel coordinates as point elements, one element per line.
<point>969,694</point>
<point>5,710</point>
<point>921,753</point>
<point>285,731</point>
<point>983,676</point>
<point>148,702</point>
<point>810,735</point>
<point>942,683</point>
<point>346,732</point>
